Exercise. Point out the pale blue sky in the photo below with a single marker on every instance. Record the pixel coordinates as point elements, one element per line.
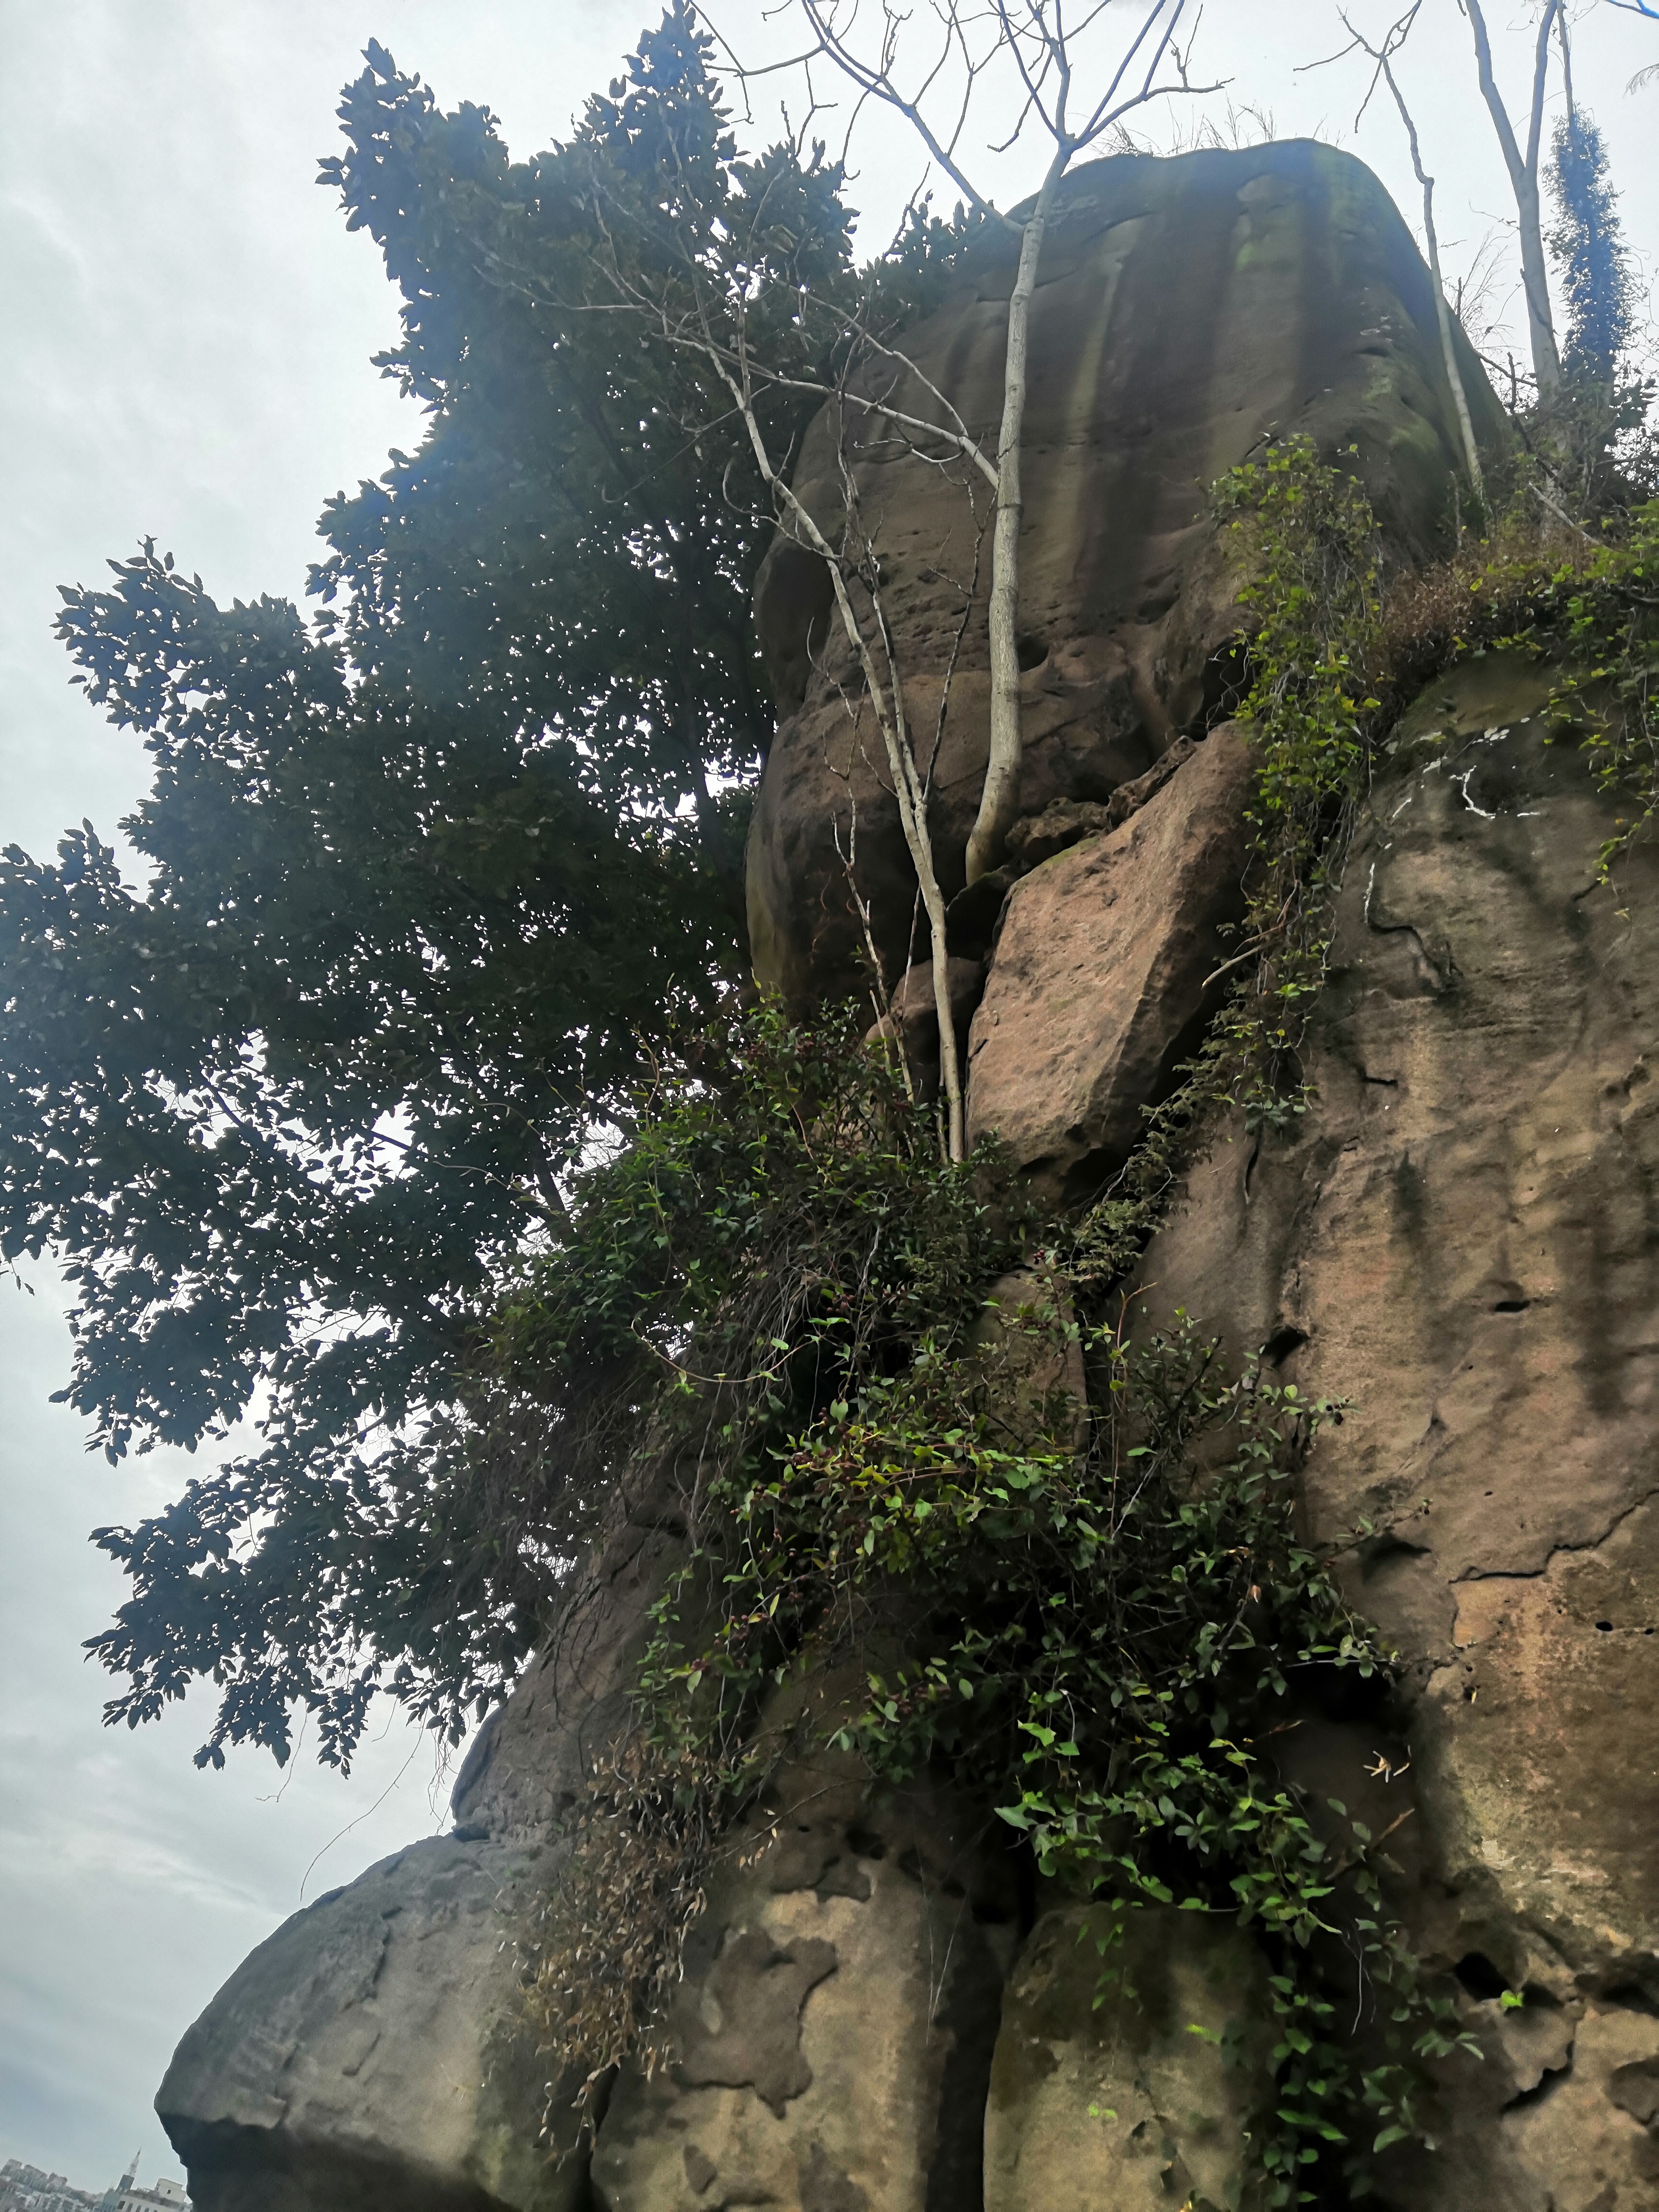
<point>185,349</point>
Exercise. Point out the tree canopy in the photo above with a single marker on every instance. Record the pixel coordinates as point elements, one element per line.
<point>435,874</point>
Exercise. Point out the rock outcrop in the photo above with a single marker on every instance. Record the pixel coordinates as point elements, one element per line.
<point>373,2053</point>
<point>836,2026</point>
<point>1105,967</point>
<point>1187,310</point>
<point>1460,1238</point>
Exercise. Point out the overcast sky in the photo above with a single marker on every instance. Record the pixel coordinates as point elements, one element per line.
<point>185,349</point>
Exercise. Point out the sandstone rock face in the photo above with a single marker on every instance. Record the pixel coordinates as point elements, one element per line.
<point>1461,1238</point>
<point>1107,2102</point>
<point>1097,987</point>
<point>836,2026</point>
<point>372,2054</point>
<point>835,2035</point>
<point>1185,310</point>
<point>1461,1241</point>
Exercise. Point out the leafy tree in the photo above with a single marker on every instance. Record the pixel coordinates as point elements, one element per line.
<point>434,875</point>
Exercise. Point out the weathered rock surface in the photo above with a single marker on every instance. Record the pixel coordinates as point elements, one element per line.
<point>373,2054</point>
<point>1104,2101</point>
<point>1097,989</point>
<point>1461,1238</point>
<point>836,2026</point>
<point>1186,309</point>
<point>912,1020</point>
<point>1462,1241</point>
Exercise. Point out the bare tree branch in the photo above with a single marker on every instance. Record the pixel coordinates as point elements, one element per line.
<point>1382,57</point>
<point>1034,37</point>
<point>1523,180</point>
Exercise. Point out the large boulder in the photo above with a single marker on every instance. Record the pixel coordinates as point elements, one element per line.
<point>833,2034</point>
<point>1187,309</point>
<point>373,2055</point>
<point>1460,1238</point>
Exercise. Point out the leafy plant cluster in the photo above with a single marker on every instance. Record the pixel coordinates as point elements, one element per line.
<point>1334,647</point>
<point>1308,553</point>
<point>781,1234</point>
<point>1582,600</point>
<point>1091,1604</point>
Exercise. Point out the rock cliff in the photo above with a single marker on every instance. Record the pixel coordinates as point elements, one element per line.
<point>880,2011</point>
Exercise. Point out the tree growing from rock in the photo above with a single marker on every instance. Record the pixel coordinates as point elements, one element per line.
<point>740,274</point>
<point>1382,58</point>
<point>435,877</point>
<point>1075,110</point>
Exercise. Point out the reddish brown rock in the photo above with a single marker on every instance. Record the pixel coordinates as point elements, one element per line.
<point>1096,987</point>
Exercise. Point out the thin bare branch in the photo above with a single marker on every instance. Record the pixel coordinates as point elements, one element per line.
<point>1382,57</point>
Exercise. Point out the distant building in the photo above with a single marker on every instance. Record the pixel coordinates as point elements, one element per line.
<point>26,2188</point>
<point>129,2195</point>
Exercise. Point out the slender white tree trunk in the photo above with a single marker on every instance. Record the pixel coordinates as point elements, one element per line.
<point>1449,349</point>
<point>1523,180</point>
<point>887,700</point>
<point>1442,308</point>
<point>1000,799</point>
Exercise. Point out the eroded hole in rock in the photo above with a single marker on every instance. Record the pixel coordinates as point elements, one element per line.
<point>1536,2095</point>
<point>1026,1884</point>
<point>1476,1972</point>
<point>1512,1305</point>
<point>1030,652</point>
<point>1635,2089</point>
<point>1605,1627</point>
<point>1282,1343</point>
